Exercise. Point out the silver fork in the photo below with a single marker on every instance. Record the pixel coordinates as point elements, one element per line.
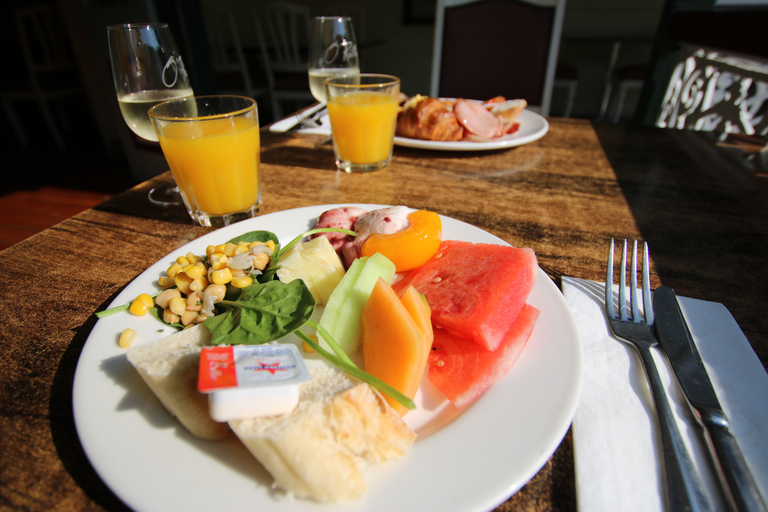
<point>683,487</point>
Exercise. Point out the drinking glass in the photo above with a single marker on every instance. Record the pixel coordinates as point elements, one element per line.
<point>332,52</point>
<point>363,114</point>
<point>147,69</point>
<point>211,144</point>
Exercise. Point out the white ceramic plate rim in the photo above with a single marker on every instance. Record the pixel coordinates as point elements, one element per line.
<point>472,464</point>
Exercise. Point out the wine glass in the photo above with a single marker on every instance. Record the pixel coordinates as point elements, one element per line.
<point>147,69</point>
<point>332,52</point>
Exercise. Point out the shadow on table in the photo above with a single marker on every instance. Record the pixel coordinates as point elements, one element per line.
<point>703,209</point>
<point>63,430</point>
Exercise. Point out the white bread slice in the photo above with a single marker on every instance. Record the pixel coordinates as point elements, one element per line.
<point>169,366</point>
<point>317,451</point>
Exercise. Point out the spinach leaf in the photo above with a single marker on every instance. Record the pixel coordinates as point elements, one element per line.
<point>264,312</point>
<point>257,236</point>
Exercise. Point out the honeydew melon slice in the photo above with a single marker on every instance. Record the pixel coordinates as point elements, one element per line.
<point>342,315</point>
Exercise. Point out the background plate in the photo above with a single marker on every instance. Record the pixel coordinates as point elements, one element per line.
<point>461,462</point>
<point>532,127</point>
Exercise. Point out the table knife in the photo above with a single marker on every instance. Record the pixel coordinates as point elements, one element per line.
<point>737,481</point>
<point>311,114</point>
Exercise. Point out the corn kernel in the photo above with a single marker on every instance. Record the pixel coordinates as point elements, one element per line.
<point>170,317</point>
<point>193,258</point>
<point>307,347</point>
<point>182,283</point>
<point>181,260</point>
<point>218,261</point>
<point>237,272</point>
<point>141,305</point>
<point>188,318</point>
<point>173,270</point>
<point>242,281</point>
<point>219,248</point>
<point>229,249</point>
<point>194,301</point>
<point>194,271</point>
<point>217,291</point>
<point>222,276</point>
<point>268,243</point>
<point>178,305</point>
<point>198,285</point>
<point>210,250</point>
<point>166,282</point>
<point>126,338</point>
<point>260,261</point>
<point>164,297</point>
<point>241,249</point>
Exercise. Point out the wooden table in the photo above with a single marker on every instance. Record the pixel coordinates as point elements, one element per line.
<point>702,208</point>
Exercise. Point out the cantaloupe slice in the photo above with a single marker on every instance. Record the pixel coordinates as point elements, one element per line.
<point>397,336</point>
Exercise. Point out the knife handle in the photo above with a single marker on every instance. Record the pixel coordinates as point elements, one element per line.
<point>733,469</point>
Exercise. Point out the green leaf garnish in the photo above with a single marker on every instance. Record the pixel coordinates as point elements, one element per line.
<point>264,312</point>
<point>353,370</point>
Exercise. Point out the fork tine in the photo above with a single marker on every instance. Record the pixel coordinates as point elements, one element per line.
<point>623,284</point>
<point>647,306</point>
<point>633,286</point>
<point>609,284</point>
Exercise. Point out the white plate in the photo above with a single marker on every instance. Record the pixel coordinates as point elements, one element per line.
<point>461,462</point>
<point>532,127</point>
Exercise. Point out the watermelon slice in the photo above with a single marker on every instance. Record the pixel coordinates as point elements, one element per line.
<point>463,370</point>
<point>476,291</point>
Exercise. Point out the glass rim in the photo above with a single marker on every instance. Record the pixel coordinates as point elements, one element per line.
<point>390,81</point>
<point>252,106</point>
<point>331,17</point>
<point>136,26</point>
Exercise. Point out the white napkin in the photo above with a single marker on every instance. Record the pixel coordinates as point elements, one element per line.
<point>286,124</point>
<point>615,428</point>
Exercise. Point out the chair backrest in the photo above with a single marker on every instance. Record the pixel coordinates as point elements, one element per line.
<point>485,48</point>
<point>282,28</point>
<point>226,50</point>
<point>44,40</point>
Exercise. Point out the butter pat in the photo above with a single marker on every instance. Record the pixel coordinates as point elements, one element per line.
<point>247,381</point>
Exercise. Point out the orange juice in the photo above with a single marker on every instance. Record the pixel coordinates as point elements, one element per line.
<point>363,126</point>
<point>215,162</point>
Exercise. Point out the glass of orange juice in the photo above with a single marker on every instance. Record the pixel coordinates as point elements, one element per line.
<point>211,144</point>
<point>363,114</point>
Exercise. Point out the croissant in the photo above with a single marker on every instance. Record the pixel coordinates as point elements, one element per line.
<point>428,118</point>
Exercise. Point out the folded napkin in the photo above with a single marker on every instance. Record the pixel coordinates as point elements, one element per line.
<point>615,428</point>
<point>289,122</point>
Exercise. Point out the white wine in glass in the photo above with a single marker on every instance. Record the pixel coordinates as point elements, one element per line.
<point>147,69</point>
<point>332,52</point>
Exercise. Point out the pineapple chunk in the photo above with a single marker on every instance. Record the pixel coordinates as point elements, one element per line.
<point>317,264</point>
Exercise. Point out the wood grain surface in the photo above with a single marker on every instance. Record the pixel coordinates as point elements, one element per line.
<point>702,208</point>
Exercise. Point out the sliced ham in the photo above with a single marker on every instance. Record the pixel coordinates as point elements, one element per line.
<point>476,119</point>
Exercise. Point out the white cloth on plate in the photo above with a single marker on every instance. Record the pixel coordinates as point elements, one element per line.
<point>615,428</point>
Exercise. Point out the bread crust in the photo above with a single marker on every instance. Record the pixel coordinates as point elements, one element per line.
<point>169,367</point>
<point>318,450</point>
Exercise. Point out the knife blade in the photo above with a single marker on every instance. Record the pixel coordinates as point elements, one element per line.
<point>734,474</point>
<point>312,114</point>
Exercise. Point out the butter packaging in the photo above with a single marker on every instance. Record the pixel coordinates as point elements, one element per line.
<point>246,381</point>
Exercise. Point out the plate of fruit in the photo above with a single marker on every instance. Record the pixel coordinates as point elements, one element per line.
<point>414,403</point>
